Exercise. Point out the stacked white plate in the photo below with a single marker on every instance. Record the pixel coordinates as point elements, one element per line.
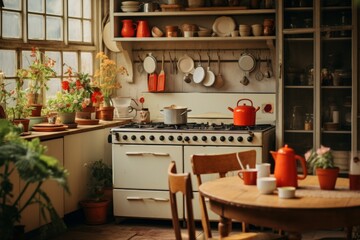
<point>130,6</point>
<point>341,159</point>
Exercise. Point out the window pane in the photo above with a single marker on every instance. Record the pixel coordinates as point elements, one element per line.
<point>36,27</point>
<point>54,28</point>
<point>26,59</point>
<point>70,59</point>
<point>56,56</point>
<point>8,62</point>
<point>12,4</point>
<point>87,9</point>
<point>75,30</point>
<point>11,25</point>
<point>54,85</point>
<point>36,6</point>
<point>54,7</point>
<point>74,8</point>
<point>87,62</point>
<point>87,31</point>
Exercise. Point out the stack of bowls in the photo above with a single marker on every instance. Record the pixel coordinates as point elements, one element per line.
<point>244,30</point>
<point>204,32</point>
<point>257,29</point>
<point>130,6</point>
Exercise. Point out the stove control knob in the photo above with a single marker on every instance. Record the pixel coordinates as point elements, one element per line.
<point>204,138</point>
<point>151,137</point>
<point>162,138</point>
<point>195,138</point>
<point>125,137</point>
<point>249,139</point>
<point>133,137</point>
<point>171,138</point>
<point>142,137</point>
<point>117,136</point>
<point>240,139</point>
<point>222,138</point>
<point>213,138</point>
<point>179,138</point>
<point>187,139</point>
<point>231,138</point>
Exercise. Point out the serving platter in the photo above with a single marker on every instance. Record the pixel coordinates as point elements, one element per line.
<point>223,26</point>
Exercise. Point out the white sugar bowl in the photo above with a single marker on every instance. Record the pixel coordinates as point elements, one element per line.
<point>266,185</point>
<point>286,192</point>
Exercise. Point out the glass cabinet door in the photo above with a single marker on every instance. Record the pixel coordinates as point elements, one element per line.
<point>319,82</point>
<point>298,64</point>
<point>336,80</point>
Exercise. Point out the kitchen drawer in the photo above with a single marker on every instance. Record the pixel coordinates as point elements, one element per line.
<point>144,204</point>
<point>144,166</point>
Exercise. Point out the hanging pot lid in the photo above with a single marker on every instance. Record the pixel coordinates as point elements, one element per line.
<point>150,63</point>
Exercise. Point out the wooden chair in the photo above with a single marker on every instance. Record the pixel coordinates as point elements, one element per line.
<point>220,164</point>
<point>181,182</point>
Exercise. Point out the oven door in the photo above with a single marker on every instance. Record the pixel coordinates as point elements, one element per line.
<point>141,182</point>
<point>191,150</point>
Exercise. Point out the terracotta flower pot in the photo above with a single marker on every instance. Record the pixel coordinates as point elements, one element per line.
<point>105,113</point>
<point>25,123</point>
<point>327,177</point>
<point>36,110</point>
<point>67,118</point>
<point>95,211</point>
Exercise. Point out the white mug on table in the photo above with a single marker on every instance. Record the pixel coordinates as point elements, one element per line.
<point>263,169</point>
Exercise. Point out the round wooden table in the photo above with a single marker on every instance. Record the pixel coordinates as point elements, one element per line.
<point>311,209</point>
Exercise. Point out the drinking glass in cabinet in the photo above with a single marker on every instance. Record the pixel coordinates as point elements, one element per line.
<point>297,118</point>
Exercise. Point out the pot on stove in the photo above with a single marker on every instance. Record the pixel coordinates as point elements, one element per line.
<point>244,115</point>
<point>174,115</point>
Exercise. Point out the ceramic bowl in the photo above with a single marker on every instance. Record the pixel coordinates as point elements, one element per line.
<point>266,185</point>
<point>286,192</point>
<point>156,32</point>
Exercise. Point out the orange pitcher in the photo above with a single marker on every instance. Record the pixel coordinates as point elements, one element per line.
<point>285,167</point>
<point>128,28</point>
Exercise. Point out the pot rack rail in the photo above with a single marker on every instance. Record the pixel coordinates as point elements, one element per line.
<point>202,55</point>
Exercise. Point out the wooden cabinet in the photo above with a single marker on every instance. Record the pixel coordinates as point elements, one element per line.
<point>80,149</point>
<point>318,59</point>
<point>31,216</point>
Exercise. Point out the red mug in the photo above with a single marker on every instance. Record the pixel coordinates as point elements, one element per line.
<point>249,176</point>
<point>354,181</point>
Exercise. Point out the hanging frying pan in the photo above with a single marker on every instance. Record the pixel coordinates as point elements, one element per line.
<point>150,67</point>
<point>247,65</point>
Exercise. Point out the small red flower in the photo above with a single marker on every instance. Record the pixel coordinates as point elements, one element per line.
<point>65,85</point>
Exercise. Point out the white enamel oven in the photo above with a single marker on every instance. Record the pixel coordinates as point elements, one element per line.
<point>141,158</point>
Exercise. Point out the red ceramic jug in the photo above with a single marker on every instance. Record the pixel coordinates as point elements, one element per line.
<point>285,167</point>
<point>128,28</point>
<point>143,29</point>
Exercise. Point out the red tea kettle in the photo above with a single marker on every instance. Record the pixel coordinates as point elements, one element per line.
<point>143,29</point>
<point>244,115</point>
<point>285,167</point>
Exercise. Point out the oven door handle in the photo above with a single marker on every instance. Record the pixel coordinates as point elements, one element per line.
<point>143,153</point>
<point>147,198</point>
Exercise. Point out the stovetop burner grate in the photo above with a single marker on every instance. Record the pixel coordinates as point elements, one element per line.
<point>195,126</point>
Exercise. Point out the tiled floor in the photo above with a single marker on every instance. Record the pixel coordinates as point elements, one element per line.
<point>130,229</point>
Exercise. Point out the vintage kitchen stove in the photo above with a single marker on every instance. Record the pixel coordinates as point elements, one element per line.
<point>141,154</point>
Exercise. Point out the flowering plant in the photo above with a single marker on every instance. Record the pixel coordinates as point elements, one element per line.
<point>320,158</point>
<point>39,72</point>
<point>4,94</point>
<point>105,79</point>
<point>74,94</point>
<point>18,108</point>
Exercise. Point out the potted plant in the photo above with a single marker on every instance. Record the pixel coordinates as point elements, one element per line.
<point>18,110</point>
<point>38,73</point>
<point>69,100</point>
<point>105,82</point>
<point>100,180</point>
<point>322,162</point>
<point>26,160</point>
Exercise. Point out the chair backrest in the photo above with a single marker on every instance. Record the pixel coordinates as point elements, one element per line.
<point>221,164</point>
<point>181,182</point>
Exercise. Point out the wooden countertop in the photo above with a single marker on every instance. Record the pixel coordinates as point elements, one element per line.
<point>78,129</point>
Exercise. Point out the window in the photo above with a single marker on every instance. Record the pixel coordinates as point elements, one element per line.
<point>61,29</point>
